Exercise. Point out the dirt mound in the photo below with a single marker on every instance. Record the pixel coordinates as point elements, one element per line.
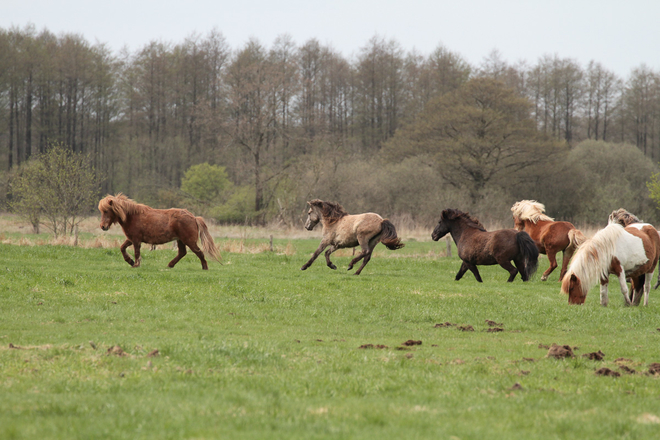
<point>117,351</point>
<point>444,324</point>
<point>495,330</point>
<point>410,343</point>
<point>560,351</point>
<point>607,372</point>
<point>493,323</point>
<point>654,368</point>
<point>466,328</point>
<point>379,346</point>
<point>595,356</point>
<point>626,369</point>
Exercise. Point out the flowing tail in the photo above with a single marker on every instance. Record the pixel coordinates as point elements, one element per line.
<point>575,239</point>
<point>529,252</point>
<point>388,236</point>
<point>208,245</point>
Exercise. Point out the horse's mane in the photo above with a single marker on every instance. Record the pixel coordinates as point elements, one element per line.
<point>623,217</point>
<point>530,210</point>
<point>331,212</point>
<point>591,262</point>
<point>452,214</point>
<point>121,205</point>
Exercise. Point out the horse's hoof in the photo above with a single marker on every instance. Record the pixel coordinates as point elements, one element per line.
<point>303,268</point>
<point>333,267</point>
<point>544,278</point>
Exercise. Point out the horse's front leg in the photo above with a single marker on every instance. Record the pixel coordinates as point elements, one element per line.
<point>123,248</point>
<point>318,251</point>
<point>552,258</point>
<point>624,288</point>
<point>604,298</point>
<point>136,249</point>
<point>461,271</point>
<point>327,257</point>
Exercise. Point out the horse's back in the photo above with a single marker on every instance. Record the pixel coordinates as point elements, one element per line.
<point>159,226</point>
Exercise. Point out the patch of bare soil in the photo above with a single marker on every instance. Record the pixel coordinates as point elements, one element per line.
<point>117,351</point>
<point>529,359</point>
<point>411,342</point>
<point>153,353</point>
<point>466,328</point>
<point>607,372</point>
<point>444,324</point>
<point>516,386</point>
<point>560,351</point>
<point>16,347</point>
<point>495,330</point>
<point>654,368</point>
<point>379,346</point>
<point>627,369</point>
<point>622,360</point>
<point>493,323</point>
<point>595,356</point>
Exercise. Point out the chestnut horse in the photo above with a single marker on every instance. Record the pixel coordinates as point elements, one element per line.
<point>551,237</point>
<point>342,230</point>
<point>476,246</point>
<point>143,224</point>
<point>630,252</point>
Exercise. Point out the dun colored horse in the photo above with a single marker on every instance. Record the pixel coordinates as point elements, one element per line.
<point>342,230</point>
<point>551,237</point>
<point>630,252</point>
<point>476,246</point>
<point>143,224</point>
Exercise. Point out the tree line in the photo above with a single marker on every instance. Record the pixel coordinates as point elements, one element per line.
<point>289,122</point>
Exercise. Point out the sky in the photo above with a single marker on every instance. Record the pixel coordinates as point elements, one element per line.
<point>619,34</point>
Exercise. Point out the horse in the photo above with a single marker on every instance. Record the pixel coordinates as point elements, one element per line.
<point>343,230</point>
<point>476,246</point>
<point>143,224</point>
<point>630,252</point>
<point>551,237</point>
<point>625,218</point>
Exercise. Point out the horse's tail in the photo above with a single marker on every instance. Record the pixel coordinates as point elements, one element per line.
<point>575,239</point>
<point>208,245</point>
<point>388,236</point>
<point>529,252</point>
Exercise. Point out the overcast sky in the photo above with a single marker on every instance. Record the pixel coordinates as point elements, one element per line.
<point>620,34</point>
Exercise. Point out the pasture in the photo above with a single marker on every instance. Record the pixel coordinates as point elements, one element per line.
<point>257,348</point>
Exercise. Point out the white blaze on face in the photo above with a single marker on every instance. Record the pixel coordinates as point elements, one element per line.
<point>630,251</point>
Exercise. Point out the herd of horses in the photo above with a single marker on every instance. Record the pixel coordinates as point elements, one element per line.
<point>626,247</point>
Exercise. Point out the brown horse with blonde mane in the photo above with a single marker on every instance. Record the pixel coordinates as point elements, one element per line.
<point>551,237</point>
<point>476,246</point>
<point>143,224</point>
<point>343,230</point>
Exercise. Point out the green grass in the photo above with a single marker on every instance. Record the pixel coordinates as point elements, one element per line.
<point>256,348</point>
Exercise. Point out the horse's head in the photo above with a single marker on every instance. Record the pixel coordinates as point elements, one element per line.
<point>110,212</point>
<point>443,226</point>
<point>313,215</point>
<point>518,224</point>
<point>572,286</point>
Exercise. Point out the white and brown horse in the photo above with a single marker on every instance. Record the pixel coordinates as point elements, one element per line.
<point>342,230</point>
<point>630,252</point>
<point>143,224</point>
<point>551,237</point>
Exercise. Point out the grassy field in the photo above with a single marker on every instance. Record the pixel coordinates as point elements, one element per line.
<point>256,348</point>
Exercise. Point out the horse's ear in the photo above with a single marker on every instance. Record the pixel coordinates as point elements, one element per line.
<point>448,214</point>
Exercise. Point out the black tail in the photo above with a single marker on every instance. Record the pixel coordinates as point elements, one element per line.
<point>388,236</point>
<point>530,254</point>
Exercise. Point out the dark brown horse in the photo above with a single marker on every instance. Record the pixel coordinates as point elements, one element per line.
<point>478,247</point>
<point>143,224</point>
<point>342,230</point>
<point>551,237</point>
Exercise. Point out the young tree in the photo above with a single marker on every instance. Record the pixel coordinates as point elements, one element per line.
<point>57,185</point>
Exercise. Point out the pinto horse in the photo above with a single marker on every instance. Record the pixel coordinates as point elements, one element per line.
<point>143,224</point>
<point>476,246</point>
<point>630,252</point>
<point>342,230</point>
<point>551,237</point>
<point>625,218</point>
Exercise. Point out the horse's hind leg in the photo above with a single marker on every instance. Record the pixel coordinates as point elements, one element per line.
<point>138,258</point>
<point>197,251</point>
<point>123,248</point>
<point>181,248</point>
<point>506,265</point>
<point>367,252</point>
<point>327,257</point>
<point>521,268</point>
<point>638,287</point>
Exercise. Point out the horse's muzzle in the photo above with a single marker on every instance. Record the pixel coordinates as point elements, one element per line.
<point>105,228</point>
